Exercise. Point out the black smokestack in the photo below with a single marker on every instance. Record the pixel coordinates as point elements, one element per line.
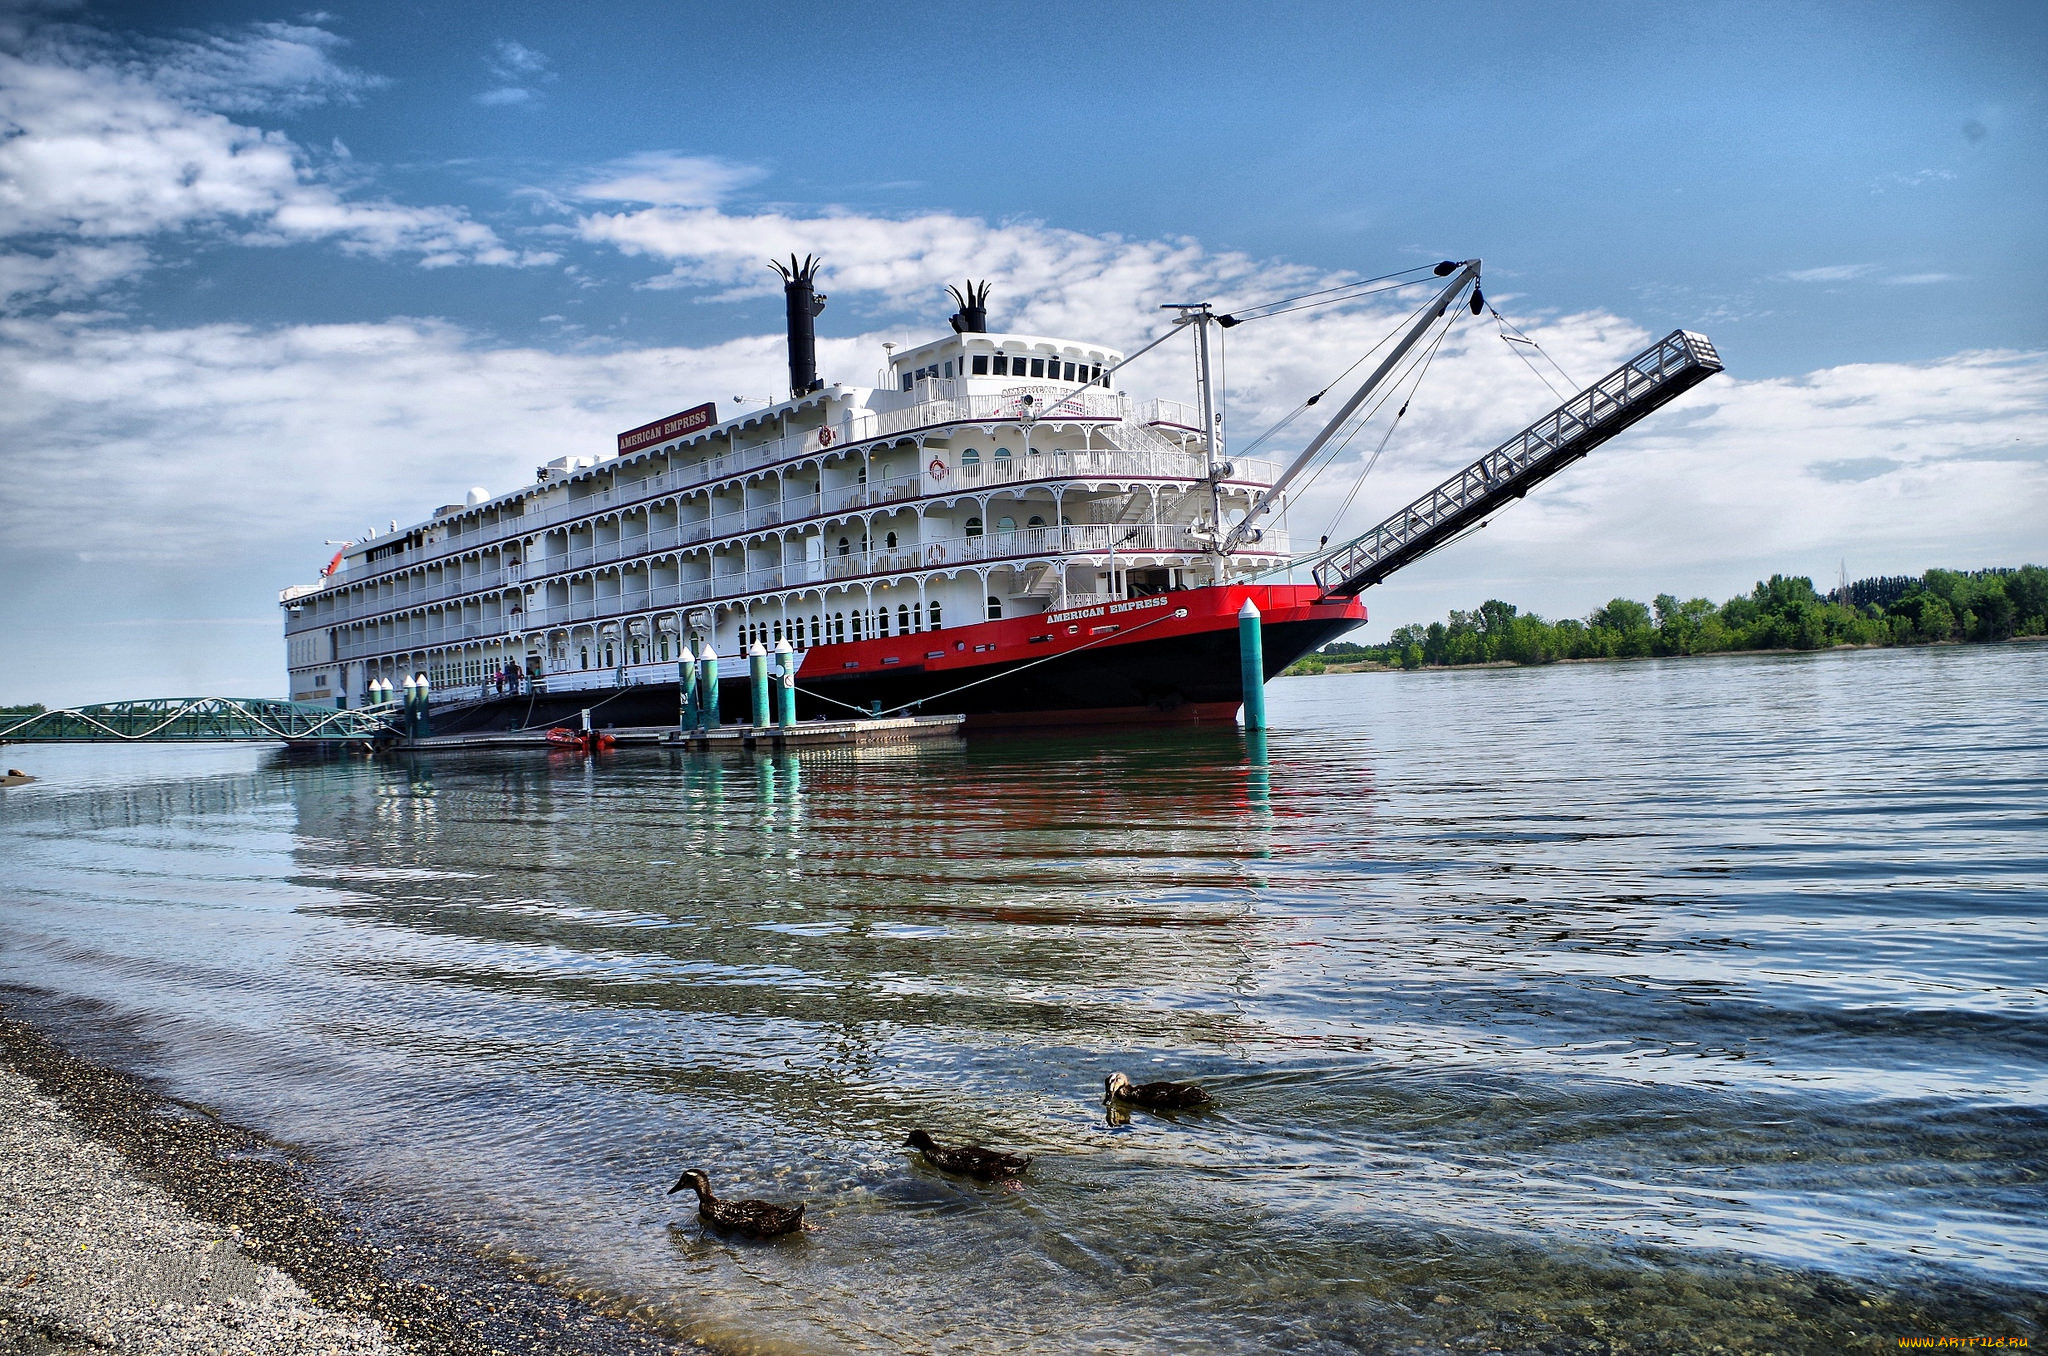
<point>972,317</point>
<point>799,290</point>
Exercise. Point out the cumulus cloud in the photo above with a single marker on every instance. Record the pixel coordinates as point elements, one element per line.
<point>99,145</point>
<point>669,179</point>
<point>518,71</point>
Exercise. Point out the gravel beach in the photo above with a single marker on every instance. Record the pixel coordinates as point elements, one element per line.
<point>130,1222</point>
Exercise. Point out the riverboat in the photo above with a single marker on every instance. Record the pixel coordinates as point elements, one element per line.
<point>993,528</point>
<point>996,528</point>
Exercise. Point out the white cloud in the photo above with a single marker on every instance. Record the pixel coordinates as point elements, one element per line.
<point>96,147</point>
<point>518,69</point>
<point>1830,273</point>
<point>670,179</point>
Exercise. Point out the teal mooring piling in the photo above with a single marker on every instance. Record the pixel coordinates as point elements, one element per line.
<point>785,663</point>
<point>757,674</point>
<point>1251,655</point>
<point>686,686</point>
<point>707,688</point>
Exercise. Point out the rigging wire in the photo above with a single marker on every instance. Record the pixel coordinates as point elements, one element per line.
<point>1380,402</point>
<point>1246,313</point>
<point>1420,371</point>
<point>1303,407</point>
<point>1520,339</point>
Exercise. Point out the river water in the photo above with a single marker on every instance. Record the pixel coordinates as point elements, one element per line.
<point>1664,1005</point>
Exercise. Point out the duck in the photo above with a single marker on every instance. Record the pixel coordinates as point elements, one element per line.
<point>756,1219</point>
<point>969,1160</point>
<point>1153,1096</point>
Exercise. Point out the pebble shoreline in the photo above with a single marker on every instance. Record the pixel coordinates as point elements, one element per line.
<point>131,1222</point>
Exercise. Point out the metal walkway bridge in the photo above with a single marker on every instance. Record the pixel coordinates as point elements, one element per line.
<point>164,719</point>
<point>1646,382</point>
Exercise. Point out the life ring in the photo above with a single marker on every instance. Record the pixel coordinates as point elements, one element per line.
<point>937,468</point>
<point>935,554</point>
<point>825,436</point>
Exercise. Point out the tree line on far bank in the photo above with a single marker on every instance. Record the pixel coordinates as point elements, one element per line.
<point>1781,613</point>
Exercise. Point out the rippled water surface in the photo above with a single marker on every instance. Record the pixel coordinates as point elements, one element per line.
<point>1666,1005</point>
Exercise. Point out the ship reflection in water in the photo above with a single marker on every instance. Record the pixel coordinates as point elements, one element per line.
<point>1578,1008</point>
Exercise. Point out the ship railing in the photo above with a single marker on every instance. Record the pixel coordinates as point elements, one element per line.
<point>695,476</point>
<point>928,557</point>
<point>1176,412</point>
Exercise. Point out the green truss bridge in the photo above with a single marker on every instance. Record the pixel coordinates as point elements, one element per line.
<point>164,719</point>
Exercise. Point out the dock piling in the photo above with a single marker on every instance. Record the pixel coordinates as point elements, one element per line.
<point>757,674</point>
<point>785,663</point>
<point>1251,654</point>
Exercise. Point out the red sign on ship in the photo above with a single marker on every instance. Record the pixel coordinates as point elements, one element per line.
<point>661,430</point>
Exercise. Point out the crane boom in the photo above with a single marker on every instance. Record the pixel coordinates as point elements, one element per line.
<point>1467,272</point>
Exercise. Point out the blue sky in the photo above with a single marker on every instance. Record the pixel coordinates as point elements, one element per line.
<point>273,275</point>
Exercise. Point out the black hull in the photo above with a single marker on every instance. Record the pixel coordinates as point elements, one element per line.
<point>1173,679</point>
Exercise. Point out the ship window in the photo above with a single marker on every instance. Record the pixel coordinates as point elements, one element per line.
<point>1006,525</point>
<point>981,364</point>
<point>903,619</point>
<point>845,547</point>
<point>1069,373</point>
<point>949,367</point>
<point>907,380</point>
<point>882,620</point>
<point>814,630</point>
<point>932,614</point>
<point>1036,521</point>
<point>890,541</point>
<point>974,527</point>
<point>1038,367</point>
<point>856,626</point>
<point>1002,454</point>
<point>995,608</point>
<point>971,457</point>
<point>1002,367</point>
<point>583,653</point>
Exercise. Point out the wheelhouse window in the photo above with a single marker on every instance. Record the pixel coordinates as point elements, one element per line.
<point>981,364</point>
<point>1069,373</point>
<point>1038,367</point>
<point>1001,365</point>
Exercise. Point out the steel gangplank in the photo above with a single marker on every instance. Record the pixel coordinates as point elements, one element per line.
<point>1640,386</point>
<point>201,718</point>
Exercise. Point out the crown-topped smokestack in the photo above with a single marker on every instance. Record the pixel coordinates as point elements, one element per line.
<point>972,317</point>
<point>804,301</point>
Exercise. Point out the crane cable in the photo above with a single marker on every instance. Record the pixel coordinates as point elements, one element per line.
<point>1517,341</point>
<point>1419,373</point>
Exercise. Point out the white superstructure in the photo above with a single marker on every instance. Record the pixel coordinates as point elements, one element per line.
<point>985,476</point>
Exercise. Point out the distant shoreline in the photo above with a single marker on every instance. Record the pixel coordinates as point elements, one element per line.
<point>1295,670</point>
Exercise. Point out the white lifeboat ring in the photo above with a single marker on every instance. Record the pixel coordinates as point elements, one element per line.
<point>825,436</point>
<point>937,469</point>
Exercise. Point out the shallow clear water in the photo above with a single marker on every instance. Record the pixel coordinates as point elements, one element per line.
<point>1659,1004</point>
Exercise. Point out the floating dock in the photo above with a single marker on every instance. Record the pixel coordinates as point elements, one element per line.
<point>804,734</point>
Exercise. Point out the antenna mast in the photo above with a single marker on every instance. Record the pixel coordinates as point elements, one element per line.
<point>1198,314</point>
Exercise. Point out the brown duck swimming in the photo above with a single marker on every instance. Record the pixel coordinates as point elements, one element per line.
<point>756,1219</point>
<point>969,1160</point>
<point>1153,1096</point>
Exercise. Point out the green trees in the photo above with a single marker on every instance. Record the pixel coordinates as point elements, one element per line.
<point>1784,612</point>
